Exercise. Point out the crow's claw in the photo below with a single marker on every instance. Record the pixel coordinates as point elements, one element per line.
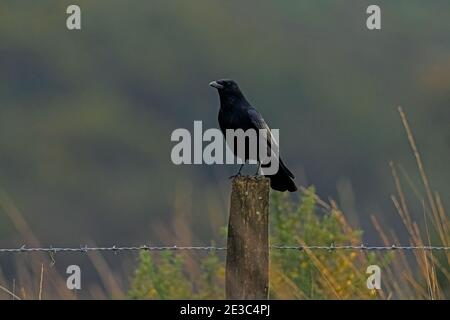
<point>238,174</point>
<point>257,170</point>
<point>235,175</point>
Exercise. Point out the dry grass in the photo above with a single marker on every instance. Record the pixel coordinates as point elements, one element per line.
<point>403,277</point>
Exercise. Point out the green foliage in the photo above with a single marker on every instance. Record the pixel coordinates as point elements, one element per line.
<point>294,274</point>
<point>212,278</point>
<point>163,279</point>
<point>318,274</point>
<point>168,278</point>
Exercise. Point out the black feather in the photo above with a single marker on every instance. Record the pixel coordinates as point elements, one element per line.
<point>237,113</point>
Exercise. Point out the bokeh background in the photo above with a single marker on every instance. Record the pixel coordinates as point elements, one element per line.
<point>86,116</point>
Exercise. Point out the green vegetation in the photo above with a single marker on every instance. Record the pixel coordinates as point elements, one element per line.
<point>337,274</point>
<point>86,118</point>
<point>305,274</point>
<point>294,274</point>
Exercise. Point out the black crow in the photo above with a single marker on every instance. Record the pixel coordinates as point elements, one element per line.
<point>237,113</point>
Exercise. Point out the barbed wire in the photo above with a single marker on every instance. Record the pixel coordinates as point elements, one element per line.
<point>360,247</point>
<point>114,248</point>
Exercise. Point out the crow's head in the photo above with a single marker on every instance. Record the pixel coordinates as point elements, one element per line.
<point>229,93</point>
<point>225,86</point>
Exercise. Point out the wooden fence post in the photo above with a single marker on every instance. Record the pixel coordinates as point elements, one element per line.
<point>247,262</point>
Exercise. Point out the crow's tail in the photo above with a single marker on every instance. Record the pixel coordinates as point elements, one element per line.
<point>283,179</point>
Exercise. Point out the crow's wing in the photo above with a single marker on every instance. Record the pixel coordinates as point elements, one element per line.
<point>259,123</point>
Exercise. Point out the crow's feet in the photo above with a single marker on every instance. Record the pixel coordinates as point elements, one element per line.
<point>238,174</point>
<point>235,175</point>
<point>257,170</point>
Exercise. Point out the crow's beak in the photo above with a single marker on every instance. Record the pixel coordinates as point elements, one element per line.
<point>216,85</point>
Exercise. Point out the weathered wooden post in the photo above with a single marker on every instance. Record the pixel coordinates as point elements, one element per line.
<point>247,264</point>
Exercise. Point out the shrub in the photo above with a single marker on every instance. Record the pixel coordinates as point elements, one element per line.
<point>305,274</point>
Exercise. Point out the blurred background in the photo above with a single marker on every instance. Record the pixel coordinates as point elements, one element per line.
<point>86,116</point>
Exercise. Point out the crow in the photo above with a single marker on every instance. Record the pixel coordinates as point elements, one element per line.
<point>237,113</point>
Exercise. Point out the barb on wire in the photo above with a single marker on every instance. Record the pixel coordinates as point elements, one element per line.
<point>84,249</point>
